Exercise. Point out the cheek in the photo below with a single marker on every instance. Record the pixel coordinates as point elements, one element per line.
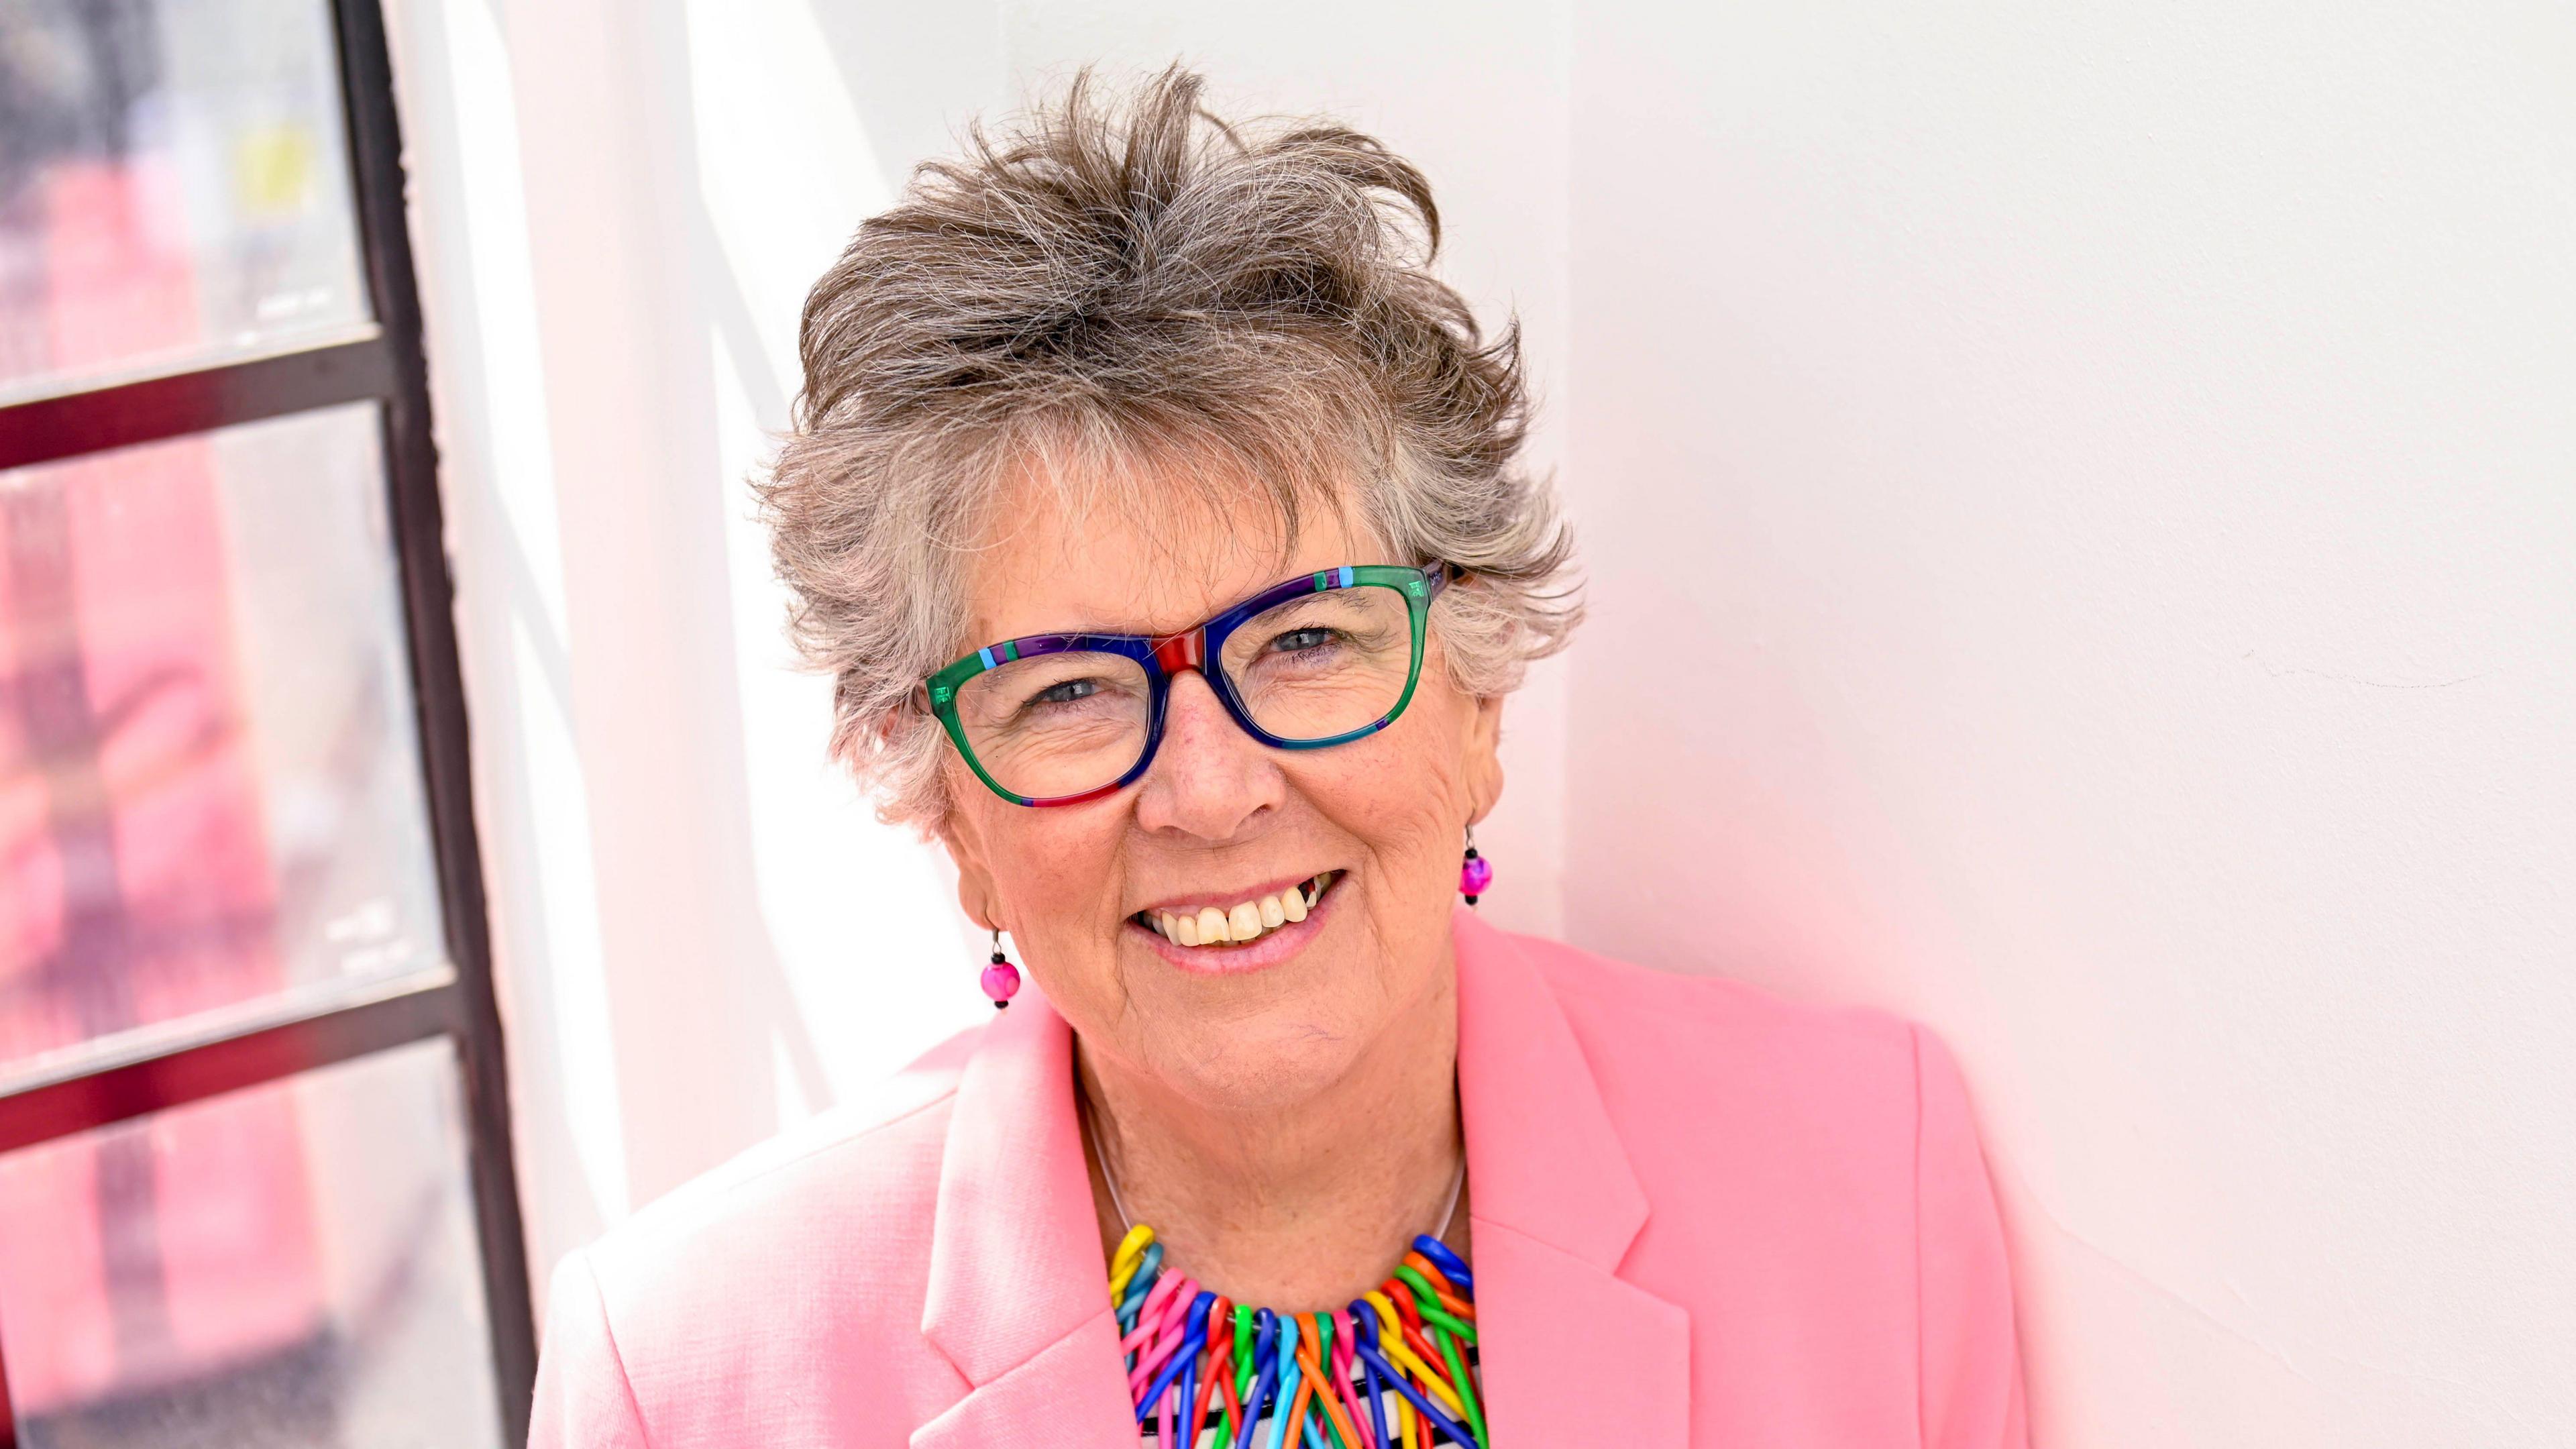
<point>1058,872</point>
<point>1421,772</point>
<point>1055,874</point>
<point>1032,858</point>
<point>1405,799</point>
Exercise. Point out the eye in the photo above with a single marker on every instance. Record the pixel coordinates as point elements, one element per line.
<point>1066,692</point>
<point>1297,641</point>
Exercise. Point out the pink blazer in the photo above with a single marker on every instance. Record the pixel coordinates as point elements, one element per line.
<point>1702,1216</point>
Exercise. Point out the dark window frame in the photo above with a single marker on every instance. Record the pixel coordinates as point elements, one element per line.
<point>390,370</point>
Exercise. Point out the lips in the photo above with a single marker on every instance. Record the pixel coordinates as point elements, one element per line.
<point>1219,927</point>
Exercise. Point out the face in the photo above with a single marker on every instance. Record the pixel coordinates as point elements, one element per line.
<point>1219,822</point>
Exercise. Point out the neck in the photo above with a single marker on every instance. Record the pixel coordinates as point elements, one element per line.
<point>1294,1207</point>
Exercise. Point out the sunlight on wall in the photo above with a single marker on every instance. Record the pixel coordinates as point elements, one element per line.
<point>863,916</point>
<point>497,447</point>
<point>785,166</point>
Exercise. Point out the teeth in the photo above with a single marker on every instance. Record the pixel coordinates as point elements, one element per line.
<point>1246,921</point>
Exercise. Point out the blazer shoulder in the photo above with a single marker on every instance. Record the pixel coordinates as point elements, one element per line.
<point>669,1329</point>
<point>866,1169</point>
<point>1845,1079</point>
<point>1604,995</point>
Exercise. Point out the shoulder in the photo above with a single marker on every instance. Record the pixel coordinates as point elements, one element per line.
<point>1669,1028</point>
<point>859,1159</point>
<point>819,1237</point>
<point>1814,1177</point>
<point>1836,1096</point>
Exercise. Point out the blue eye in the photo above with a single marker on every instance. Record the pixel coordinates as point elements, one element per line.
<point>1297,641</point>
<point>1067,692</point>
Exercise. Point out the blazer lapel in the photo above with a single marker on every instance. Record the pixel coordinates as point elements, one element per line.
<point>1016,1300</point>
<point>1070,1396</point>
<point>1571,1352</point>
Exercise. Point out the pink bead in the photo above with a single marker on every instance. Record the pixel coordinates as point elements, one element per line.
<point>1001,981</point>
<point>1474,876</point>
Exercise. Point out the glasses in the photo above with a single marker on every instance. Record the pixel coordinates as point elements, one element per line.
<point>1320,659</point>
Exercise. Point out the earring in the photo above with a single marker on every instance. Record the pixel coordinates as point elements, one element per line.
<point>1475,872</point>
<point>1001,979</point>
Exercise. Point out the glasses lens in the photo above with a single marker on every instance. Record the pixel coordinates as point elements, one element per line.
<point>1057,724</point>
<point>1323,664</point>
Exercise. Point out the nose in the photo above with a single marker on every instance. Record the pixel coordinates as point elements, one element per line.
<point>1209,779</point>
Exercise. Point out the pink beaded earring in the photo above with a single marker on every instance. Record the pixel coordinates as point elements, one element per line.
<point>1001,979</point>
<point>1475,872</point>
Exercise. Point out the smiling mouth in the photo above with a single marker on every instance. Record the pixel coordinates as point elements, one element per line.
<point>1245,921</point>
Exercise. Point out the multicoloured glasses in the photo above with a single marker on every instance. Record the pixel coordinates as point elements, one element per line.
<point>1320,659</point>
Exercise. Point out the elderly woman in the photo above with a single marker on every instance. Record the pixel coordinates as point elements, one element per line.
<point>1157,513</point>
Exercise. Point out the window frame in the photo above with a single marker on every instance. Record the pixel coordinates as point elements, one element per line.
<point>389,369</point>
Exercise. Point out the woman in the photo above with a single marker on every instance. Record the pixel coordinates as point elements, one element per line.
<point>1156,512</point>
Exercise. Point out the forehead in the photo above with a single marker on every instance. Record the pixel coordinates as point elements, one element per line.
<point>1150,555</point>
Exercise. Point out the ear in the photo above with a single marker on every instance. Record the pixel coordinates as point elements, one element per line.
<point>1484,762</point>
<point>975,893</point>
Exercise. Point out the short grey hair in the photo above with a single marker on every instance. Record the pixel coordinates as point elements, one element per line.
<point>1112,283</point>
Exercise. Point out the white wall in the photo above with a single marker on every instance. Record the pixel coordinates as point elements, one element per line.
<point>2094,494</point>
<point>2111,470</point>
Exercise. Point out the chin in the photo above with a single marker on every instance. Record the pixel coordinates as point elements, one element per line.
<point>1276,1059</point>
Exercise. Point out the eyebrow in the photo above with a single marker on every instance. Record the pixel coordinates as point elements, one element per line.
<point>1135,633</point>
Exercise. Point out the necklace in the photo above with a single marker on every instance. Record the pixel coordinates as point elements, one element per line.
<point>1405,1349</point>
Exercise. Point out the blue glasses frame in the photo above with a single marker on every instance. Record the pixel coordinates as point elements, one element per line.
<point>1201,647</point>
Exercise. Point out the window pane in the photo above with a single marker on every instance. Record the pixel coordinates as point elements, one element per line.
<point>174,186</point>
<point>293,1265</point>
<point>210,787</point>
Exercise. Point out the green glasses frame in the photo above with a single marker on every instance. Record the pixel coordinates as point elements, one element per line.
<point>1200,647</point>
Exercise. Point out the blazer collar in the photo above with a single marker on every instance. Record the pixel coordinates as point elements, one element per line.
<point>1571,1352</point>
<point>1017,1303</point>
<point>1016,1298</point>
<point>1014,1256</point>
<point>1548,1162</point>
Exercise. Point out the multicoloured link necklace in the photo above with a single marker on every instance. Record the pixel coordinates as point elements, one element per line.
<point>1402,1357</point>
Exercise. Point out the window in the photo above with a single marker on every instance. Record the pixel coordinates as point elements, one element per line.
<point>255,1180</point>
